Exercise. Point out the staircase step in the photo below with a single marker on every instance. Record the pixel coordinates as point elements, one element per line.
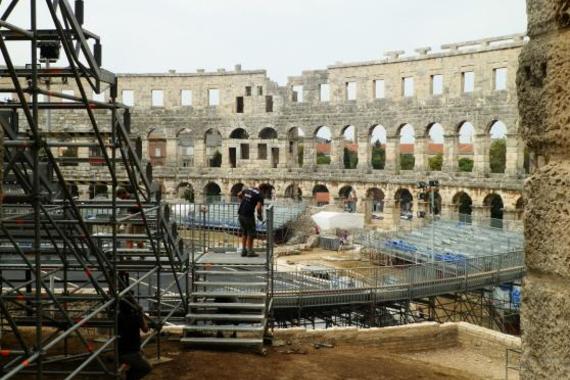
<point>231,283</point>
<point>222,341</point>
<point>230,317</point>
<point>210,328</point>
<point>231,305</point>
<point>231,273</point>
<point>229,294</point>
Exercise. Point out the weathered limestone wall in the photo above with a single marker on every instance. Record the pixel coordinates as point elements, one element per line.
<point>544,103</point>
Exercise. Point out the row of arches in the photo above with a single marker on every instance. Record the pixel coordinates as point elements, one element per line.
<point>433,144</point>
<point>403,199</point>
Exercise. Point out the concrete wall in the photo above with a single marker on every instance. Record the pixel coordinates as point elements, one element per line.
<point>544,103</point>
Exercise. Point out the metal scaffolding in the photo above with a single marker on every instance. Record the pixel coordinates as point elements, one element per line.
<point>65,262</point>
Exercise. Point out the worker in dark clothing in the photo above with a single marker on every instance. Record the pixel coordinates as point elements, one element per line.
<point>251,202</point>
<point>131,322</point>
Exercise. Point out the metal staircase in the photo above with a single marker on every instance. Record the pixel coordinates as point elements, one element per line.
<point>231,297</point>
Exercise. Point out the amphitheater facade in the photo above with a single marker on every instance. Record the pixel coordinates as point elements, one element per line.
<point>214,131</point>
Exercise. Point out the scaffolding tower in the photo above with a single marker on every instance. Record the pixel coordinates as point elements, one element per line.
<point>66,262</point>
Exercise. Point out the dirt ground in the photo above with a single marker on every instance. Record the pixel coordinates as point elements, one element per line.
<point>344,361</point>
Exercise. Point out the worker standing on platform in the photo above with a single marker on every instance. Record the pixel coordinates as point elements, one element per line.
<point>251,202</point>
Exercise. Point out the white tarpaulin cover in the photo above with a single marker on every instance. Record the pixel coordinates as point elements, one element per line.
<point>328,220</point>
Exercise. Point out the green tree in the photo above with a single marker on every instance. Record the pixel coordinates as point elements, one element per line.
<point>300,154</point>
<point>465,165</point>
<point>498,156</point>
<point>407,161</point>
<point>350,159</point>
<point>378,156</point>
<point>323,159</point>
<point>216,160</point>
<point>188,194</point>
<point>436,162</point>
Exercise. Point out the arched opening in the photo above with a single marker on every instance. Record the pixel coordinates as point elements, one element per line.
<point>464,205</point>
<point>498,147</point>
<point>267,191</point>
<point>157,147</point>
<point>239,133</point>
<point>435,206</point>
<point>68,154</point>
<point>294,192</point>
<point>376,198</point>
<point>435,147</point>
<point>74,191</point>
<point>321,195</point>
<point>349,147</point>
<point>268,134</point>
<point>213,193</point>
<point>296,148</point>
<point>235,191</point>
<point>407,147</point>
<point>378,147</point>
<point>98,191</point>
<point>464,148</point>
<point>237,149</point>
<point>404,201</point>
<point>323,145</point>
<point>185,143</point>
<point>347,196</point>
<point>264,151</point>
<point>185,191</point>
<point>496,209</point>
<point>213,151</point>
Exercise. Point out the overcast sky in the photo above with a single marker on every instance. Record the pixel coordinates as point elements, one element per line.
<point>284,36</point>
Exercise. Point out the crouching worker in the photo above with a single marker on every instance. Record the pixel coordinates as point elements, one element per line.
<point>131,322</point>
<point>251,201</point>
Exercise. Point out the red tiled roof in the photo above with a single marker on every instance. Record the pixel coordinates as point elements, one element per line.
<point>406,148</point>
<point>323,148</point>
<point>465,149</point>
<point>322,197</point>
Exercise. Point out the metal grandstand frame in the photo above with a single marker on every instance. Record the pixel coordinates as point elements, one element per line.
<point>58,295</point>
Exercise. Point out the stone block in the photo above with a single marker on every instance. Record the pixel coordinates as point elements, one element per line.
<point>547,219</point>
<point>544,97</point>
<point>546,328</point>
<point>546,15</point>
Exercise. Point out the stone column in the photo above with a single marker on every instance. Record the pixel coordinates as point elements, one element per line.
<point>309,159</point>
<point>199,154</point>
<point>420,164</point>
<point>226,154</point>
<point>337,152</point>
<point>283,153</point>
<point>171,152</point>
<point>481,153</point>
<point>364,153</point>
<point>544,96</point>
<point>392,164</point>
<point>450,148</point>
<point>513,165</point>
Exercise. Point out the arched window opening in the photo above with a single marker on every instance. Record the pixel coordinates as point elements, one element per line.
<point>296,148</point>
<point>465,150</point>
<point>376,198</point>
<point>378,147</point>
<point>294,192</point>
<point>157,147</point>
<point>268,134</point>
<point>496,209</point>
<point>435,147</point>
<point>464,205</point>
<point>321,195</point>
<point>235,191</point>
<point>185,191</point>
<point>350,147</point>
<point>239,133</point>
<point>407,147</point>
<point>323,145</point>
<point>213,193</point>
<point>498,147</point>
<point>404,201</point>
<point>185,142</point>
<point>348,197</point>
<point>267,191</point>
<point>213,142</point>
